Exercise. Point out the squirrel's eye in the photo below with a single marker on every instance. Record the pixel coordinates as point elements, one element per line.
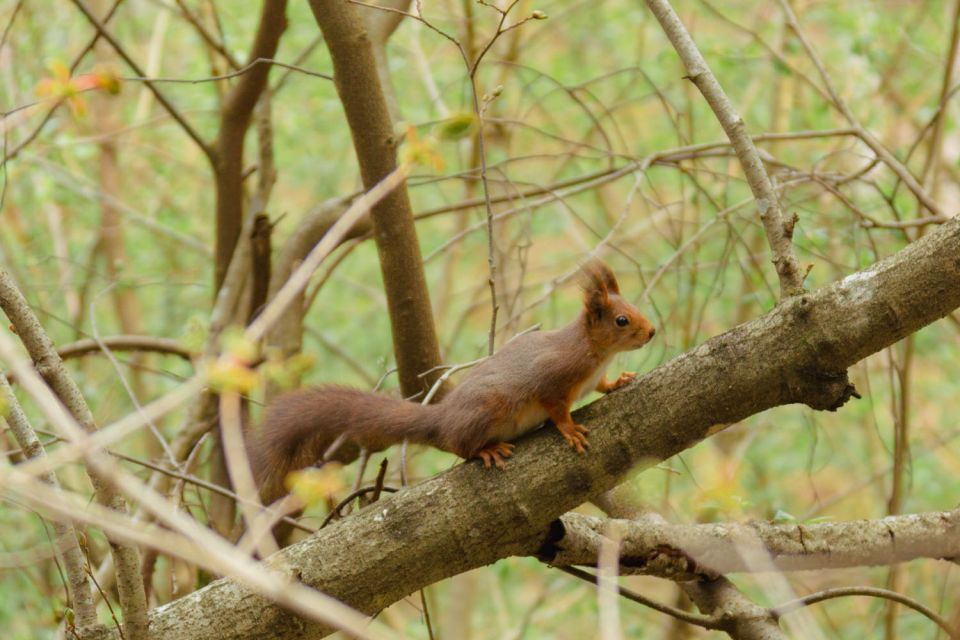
<point>622,321</point>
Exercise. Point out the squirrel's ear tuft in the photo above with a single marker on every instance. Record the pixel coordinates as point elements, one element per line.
<point>596,274</point>
<point>608,278</point>
<point>595,281</point>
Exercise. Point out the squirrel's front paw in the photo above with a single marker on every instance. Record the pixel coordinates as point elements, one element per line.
<point>575,436</point>
<point>625,378</point>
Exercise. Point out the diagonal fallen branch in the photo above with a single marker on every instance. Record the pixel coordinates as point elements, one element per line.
<point>469,517</point>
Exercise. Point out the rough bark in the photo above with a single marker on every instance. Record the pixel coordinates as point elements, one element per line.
<point>469,517</point>
<point>401,264</point>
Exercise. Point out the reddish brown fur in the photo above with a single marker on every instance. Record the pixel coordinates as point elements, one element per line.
<point>532,376</point>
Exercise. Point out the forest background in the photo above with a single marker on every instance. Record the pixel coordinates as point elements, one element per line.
<point>534,136</point>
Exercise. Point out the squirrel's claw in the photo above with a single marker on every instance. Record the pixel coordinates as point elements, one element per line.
<point>495,454</point>
<point>625,378</point>
<point>575,436</point>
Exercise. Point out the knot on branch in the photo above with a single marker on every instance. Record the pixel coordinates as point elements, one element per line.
<point>666,561</point>
<point>580,545</point>
<point>790,224</point>
<point>550,547</point>
<point>822,390</point>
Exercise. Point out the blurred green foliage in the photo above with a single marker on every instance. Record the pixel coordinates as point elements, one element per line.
<point>591,89</point>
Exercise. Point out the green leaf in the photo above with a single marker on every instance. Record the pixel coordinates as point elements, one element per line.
<point>782,517</point>
<point>456,127</point>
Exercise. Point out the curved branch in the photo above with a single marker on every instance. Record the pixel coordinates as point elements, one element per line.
<point>246,69</point>
<point>704,622</point>
<point>125,343</point>
<point>873,592</point>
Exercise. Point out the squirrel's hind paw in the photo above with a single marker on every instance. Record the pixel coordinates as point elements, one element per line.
<point>575,436</point>
<point>495,454</point>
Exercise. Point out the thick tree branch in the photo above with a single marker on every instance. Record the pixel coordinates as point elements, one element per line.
<point>469,517</point>
<point>380,26</point>
<point>692,552</point>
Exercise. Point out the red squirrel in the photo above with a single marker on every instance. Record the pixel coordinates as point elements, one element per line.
<point>534,376</point>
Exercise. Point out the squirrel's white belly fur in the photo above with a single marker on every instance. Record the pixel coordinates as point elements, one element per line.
<point>594,379</point>
<point>533,414</point>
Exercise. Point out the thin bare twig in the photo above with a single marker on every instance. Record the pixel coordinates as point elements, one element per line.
<point>873,592</point>
<point>207,36</point>
<point>239,72</point>
<point>871,141</point>
<point>10,155</point>
<point>704,622</point>
<point>779,231</point>
<point>162,99</point>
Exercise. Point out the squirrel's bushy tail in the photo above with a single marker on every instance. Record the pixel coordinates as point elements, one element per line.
<point>303,427</point>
